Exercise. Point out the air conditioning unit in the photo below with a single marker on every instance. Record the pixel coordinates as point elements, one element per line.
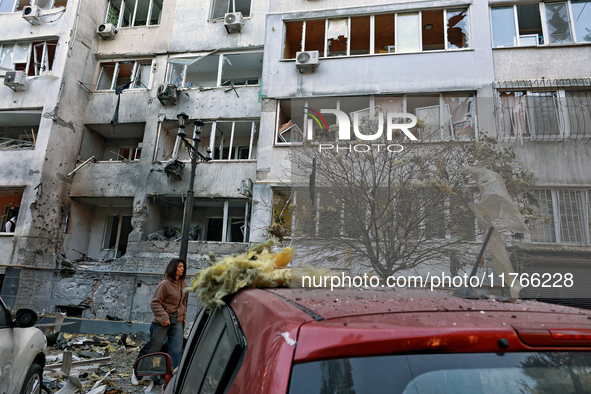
<point>168,94</point>
<point>233,22</point>
<point>307,61</point>
<point>31,14</point>
<point>106,31</point>
<point>15,80</point>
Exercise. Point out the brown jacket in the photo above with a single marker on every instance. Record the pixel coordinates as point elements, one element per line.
<point>166,300</point>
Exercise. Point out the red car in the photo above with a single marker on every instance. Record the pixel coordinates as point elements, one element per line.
<point>304,341</point>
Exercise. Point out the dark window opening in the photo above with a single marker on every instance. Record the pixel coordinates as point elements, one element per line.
<point>360,35</point>
<point>71,311</point>
<point>293,39</point>
<point>384,33</point>
<point>433,33</point>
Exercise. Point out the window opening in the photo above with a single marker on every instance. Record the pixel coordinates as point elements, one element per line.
<point>10,202</point>
<point>117,231</point>
<point>558,23</point>
<point>293,39</point>
<point>384,34</point>
<point>123,144</point>
<point>19,129</point>
<point>242,69</point>
<point>360,35</point>
<point>315,30</point>
<point>563,216</point>
<point>114,74</point>
<point>221,7</point>
<point>128,13</point>
<point>433,33</point>
<point>337,37</point>
<point>457,29</point>
<point>35,58</point>
<point>290,121</point>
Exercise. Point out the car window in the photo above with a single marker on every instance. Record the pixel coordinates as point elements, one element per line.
<point>488,373</point>
<point>215,358</point>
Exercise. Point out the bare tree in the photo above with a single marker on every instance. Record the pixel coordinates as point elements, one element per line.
<point>387,206</point>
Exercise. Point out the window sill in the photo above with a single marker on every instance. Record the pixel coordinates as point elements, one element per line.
<point>387,54</point>
<point>136,27</point>
<point>117,161</point>
<point>5,234</point>
<point>225,161</point>
<point>221,20</point>
<point>126,90</point>
<point>201,88</point>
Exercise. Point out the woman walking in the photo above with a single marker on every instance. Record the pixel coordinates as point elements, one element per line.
<point>169,305</point>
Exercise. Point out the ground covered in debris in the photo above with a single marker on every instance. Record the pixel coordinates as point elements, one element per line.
<point>97,364</point>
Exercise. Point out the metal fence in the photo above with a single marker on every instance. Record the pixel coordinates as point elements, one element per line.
<point>543,109</point>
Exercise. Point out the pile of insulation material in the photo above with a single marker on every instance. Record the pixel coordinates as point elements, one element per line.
<point>259,267</point>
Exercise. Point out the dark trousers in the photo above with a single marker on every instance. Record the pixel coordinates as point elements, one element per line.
<point>158,333</point>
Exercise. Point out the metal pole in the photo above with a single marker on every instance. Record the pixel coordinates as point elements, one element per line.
<point>188,207</point>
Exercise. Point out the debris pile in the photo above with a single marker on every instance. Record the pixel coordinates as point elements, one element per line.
<point>92,364</point>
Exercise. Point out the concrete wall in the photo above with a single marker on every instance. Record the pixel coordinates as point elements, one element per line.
<point>194,31</point>
<point>542,62</point>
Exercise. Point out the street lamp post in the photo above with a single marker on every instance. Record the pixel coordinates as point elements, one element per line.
<point>195,157</point>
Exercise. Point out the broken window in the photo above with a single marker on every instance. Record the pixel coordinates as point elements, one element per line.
<point>123,143</point>
<point>233,140</point>
<point>215,220</point>
<point>337,36</point>
<point>293,39</point>
<point>9,5</point>
<point>206,70</point>
<point>290,121</point>
<point>117,231</point>
<point>10,202</point>
<point>221,7</point>
<point>314,36</point>
<point>541,23</point>
<point>443,117</point>
<point>457,29</point>
<point>564,216</point>
<point>117,73</point>
<point>131,13</point>
<point>19,129</point>
<point>35,58</point>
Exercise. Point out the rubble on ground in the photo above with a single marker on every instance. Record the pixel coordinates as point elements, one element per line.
<point>93,364</point>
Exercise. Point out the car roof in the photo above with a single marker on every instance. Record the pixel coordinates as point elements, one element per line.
<point>291,326</point>
<point>341,303</point>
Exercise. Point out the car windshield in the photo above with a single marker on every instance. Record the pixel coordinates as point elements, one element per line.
<point>494,373</point>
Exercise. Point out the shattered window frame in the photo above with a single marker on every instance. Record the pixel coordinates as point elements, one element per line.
<point>179,67</point>
<point>136,72</point>
<point>345,28</point>
<point>564,217</point>
<point>24,140</point>
<point>108,232</point>
<point>35,60</point>
<point>125,13</point>
<point>550,35</point>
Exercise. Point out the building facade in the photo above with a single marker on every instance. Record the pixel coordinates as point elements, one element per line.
<point>99,205</point>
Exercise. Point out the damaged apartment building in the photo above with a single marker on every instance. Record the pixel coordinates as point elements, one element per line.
<point>92,93</point>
